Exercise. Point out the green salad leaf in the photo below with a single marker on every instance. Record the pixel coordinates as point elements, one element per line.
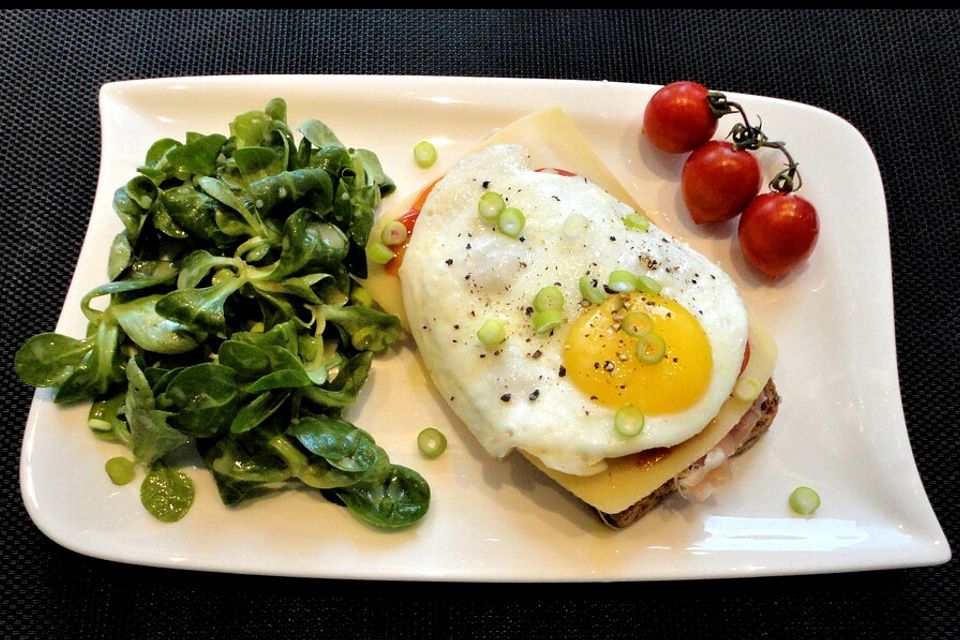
<point>233,322</point>
<point>398,500</point>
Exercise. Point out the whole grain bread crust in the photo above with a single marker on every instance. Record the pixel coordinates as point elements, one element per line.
<point>769,403</point>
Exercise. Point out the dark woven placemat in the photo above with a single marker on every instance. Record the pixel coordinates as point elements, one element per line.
<point>893,75</point>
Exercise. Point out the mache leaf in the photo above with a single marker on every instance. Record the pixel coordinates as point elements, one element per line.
<point>47,359</point>
<point>241,475</point>
<point>366,328</point>
<point>340,443</point>
<point>196,213</point>
<point>204,399</point>
<point>259,409</point>
<point>343,390</point>
<point>150,330</point>
<point>309,244</point>
<point>152,437</point>
<point>290,190</point>
<point>319,134</point>
<point>199,309</point>
<point>197,157</point>
<point>99,369</point>
<point>400,500</point>
<point>250,128</point>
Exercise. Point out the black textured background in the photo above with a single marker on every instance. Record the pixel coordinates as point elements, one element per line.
<point>893,75</point>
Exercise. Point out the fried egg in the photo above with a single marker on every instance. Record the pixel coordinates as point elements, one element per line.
<point>556,394</point>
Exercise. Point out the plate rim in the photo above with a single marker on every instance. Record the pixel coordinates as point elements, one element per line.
<point>114,91</point>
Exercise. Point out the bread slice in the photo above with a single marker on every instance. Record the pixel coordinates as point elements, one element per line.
<point>766,404</point>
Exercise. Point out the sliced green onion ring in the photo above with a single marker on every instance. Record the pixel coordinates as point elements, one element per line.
<point>394,233</point>
<point>622,281</point>
<point>548,299</point>
<point>511,222</point>
<point>648,284</point>
<point>425,154</point>
<point>636,222</point>
<point>492,332</point>
<point>379,253</point>
<point>431,442</point>
<point>99,424</point>
<point>628,421</point>
<point>575,226</point>
<point>804,501</point>
<point>544,321</point>
<point>651,348</point>
<point>637,324</point>
<point>490,206</point>
<point>590,291</point>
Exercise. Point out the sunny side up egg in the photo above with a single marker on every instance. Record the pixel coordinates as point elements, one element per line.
<point>555,394</point>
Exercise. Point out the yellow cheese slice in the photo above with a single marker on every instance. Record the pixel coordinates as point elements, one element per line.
<point>552,140</point>
<point>629,479</point>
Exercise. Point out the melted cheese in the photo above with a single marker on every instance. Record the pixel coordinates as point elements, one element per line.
<point>629,479</point>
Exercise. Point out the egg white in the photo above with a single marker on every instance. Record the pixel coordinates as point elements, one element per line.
<point>459,271</point>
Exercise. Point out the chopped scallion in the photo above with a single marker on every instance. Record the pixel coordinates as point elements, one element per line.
<point>651,348</point>
<point>490,206</point>
<point>511,222</point>
<point>431,442</point>
<point>544,321</point>
<point>98,424</point>
<point>628,421</point>
<point>648,284</point>
<point>394,233</point>
<point>804,501</point>
<point>548,299</point>
<point>492,332</point>
<point>636,222</point>
<point>425,154</point>
<point>622,281</point>
<point>379,253</point>
<point>590,291</point>
<point>637,324</point>
<point>575,226</point>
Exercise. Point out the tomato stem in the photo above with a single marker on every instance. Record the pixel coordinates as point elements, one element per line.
<point>749,137</point>
<point>745,135</point>
<point>789,178</point>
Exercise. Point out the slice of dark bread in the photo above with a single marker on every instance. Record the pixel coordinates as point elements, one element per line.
<point>767,403</point>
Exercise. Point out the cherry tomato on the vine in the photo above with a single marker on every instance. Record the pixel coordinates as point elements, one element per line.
<point>678,118</point>
<point>718,181</point>
<point>778,231</point>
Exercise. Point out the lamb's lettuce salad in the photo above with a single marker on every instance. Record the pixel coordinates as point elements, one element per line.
<point>233,321</point>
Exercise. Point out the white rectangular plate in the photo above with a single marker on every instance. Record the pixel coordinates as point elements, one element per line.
<point>841,427</point>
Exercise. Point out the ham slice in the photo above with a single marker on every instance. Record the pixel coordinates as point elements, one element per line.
<point>707,474</point>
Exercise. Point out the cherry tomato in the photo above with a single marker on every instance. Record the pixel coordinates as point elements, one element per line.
<point>718,181</point>
<point>678,118</point>
<point>777,232</point>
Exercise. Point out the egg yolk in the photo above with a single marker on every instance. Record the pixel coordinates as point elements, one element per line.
<point>601,359</point>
